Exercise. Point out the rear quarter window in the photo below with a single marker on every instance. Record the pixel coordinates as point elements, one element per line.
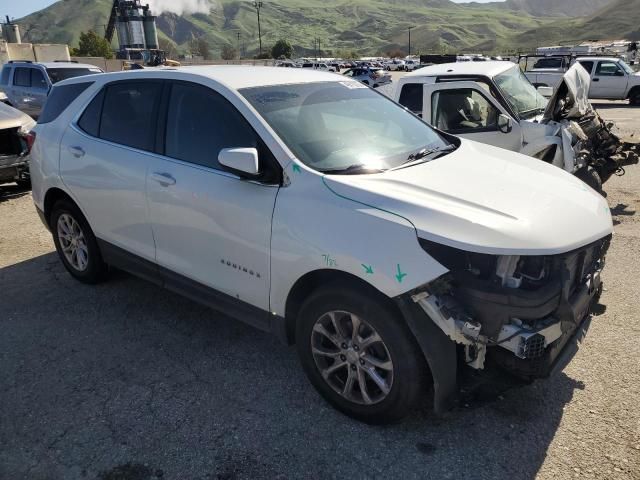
<point>411,96</point>
<point>59,99</point>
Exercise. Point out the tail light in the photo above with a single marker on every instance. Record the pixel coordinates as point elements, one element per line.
<point>30,138</point>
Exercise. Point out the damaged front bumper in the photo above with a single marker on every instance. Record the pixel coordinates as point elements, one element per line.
<point>526,329</point>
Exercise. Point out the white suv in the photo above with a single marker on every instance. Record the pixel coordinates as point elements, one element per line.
<point>315,208</point>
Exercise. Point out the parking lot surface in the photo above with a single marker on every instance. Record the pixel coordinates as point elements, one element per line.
<point>128,381</point>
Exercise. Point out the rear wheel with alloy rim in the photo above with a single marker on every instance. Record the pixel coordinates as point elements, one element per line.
<point>360,355</point>
<point>75,243</point>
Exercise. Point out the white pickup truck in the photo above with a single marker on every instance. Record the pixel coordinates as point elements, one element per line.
<point>494,103</point>
<point>611,77</point>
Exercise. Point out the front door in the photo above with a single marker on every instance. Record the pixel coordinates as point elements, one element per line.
<point>467,110</point>
<point>609,80</point>
<point>209,225</point>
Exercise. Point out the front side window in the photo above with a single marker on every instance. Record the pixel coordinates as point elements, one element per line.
<point>22,77</point>
<point>200,123</point>
<point>37,79</point>
<point>523,97</point>
<point>463,110</point>
<point>608,69</point>
<point>342,127</point>
<point>128,113</point>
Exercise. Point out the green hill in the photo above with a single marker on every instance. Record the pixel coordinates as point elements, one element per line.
<point>618,20</point>
<point>367,26</point>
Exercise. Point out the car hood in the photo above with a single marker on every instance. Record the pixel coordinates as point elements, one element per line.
<point>12,118</point>
<point>487,200</point>
<point>575,85</point>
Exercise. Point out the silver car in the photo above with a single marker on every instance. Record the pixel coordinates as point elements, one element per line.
<point>374,77</point>
<point>27,84</point>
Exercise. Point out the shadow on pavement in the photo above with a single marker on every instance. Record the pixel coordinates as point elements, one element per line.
<point>125,377</point>
<point>11,191</point>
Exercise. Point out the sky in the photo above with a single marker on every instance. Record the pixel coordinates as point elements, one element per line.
<point>20,8</point>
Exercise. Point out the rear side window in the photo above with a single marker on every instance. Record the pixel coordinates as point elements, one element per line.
<point>588,66</point>
<point>90,119</point>
<point>4,78</point>
<point>58,74</point>
<point>59,99</point>
<point>411,96</point>
<point>22,77</point>
<point>129,113</point>
<point>200,123</point>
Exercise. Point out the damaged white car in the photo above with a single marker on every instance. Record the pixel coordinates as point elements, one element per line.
<point>494,103</point>
<point>310,206</point>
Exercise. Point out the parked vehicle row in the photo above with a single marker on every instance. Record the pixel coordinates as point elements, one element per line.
<point>310,206</point>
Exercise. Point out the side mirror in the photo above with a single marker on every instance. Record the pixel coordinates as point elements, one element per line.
<point>545,91</point>
<point>505,124</point>
<point>240,161</point>
<point>619,73</point>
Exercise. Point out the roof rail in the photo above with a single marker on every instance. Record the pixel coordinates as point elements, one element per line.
<point>65,61</point>
<point>20,61</point>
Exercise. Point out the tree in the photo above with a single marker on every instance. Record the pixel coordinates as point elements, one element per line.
<point>262,56</point>
<point>168,47</point>
<point>199,46</point>
<point>92,45</point>
<point>228,52</point>
<point>282,48</point>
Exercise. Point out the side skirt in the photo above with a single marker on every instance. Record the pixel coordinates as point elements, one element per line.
<point>196,291</point>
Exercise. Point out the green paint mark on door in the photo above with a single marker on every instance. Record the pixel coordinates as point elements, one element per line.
<point>368,269</point>
<point>400,276</point>
<point>296,168</point>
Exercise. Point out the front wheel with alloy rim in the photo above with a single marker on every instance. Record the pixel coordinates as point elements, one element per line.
<point>75,243</point>
<point>360,355</point>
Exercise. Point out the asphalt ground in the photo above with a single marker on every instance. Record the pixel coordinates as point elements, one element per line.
<point>128,381</point>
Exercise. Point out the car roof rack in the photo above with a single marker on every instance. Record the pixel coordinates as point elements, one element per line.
<point>65,61</point>
<point>20,61</point>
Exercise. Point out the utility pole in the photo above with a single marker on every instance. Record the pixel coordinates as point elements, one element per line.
<point>258,6</point>
<point>410,40</point>
<point>239,51</point>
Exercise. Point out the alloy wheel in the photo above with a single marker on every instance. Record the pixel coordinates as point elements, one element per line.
<point>73,242</point>
<point>352,357</point>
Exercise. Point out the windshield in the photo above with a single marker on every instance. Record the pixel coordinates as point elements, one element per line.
<point>521,95</point>
<point>333,126</point>
<point>626,68</point>
<point>58,74</point>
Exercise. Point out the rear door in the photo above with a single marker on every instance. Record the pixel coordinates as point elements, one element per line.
<point>467,110</point>
<point>210,226</point>
<point>104,156</point>
<point>609,80</point>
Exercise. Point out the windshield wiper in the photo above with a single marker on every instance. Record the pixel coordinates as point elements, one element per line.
<point>418,157</point>
<point>352,170</point>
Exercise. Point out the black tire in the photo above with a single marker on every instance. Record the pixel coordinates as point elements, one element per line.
<point>634,97</point>
<point>96,269</point>
<point>591,177</point>
<point>409,372</point>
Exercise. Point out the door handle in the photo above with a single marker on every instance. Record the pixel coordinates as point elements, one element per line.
<point>163,178</point>
<point>77,151</point>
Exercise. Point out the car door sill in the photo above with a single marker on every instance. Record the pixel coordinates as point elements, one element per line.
<point>196,291</point>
